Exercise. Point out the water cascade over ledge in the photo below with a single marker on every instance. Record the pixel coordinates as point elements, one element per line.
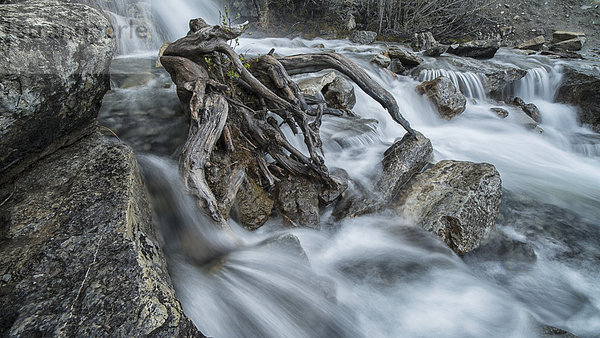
<point>378,275</point>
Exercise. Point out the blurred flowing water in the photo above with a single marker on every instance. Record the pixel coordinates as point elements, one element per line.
<point>379,275</point>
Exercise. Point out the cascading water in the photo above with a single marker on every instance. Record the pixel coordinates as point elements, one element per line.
<point>469,83</point>
<point>378,275</point>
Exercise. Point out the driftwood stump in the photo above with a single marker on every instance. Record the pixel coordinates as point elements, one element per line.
<point>244,103</point>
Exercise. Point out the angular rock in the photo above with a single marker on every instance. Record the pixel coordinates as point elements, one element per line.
<point>408,58</point>
<point>562,54</point>
<point>533,44</point>
<point>55,60</point>
<point>568,45</point>
<point>445,96</point>
<point>559,36</point>
<point>457,201</point>
<point>501,112</point>
<point>478,49</point>
<point>529,108</point>
<point>81,250</point>
<point>297,198</point>
<point>404,159</point>
<point>363,37</point>
<point>313,85</point>
<point>436,51</point>
<point>423,41</point>
<point>381,60</point>
<point>339,94</point>
<point>581,87</point>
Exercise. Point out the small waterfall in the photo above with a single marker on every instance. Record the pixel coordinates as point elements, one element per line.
<point>469,83</point>
<point>539,83</point>
<point>143,25</point>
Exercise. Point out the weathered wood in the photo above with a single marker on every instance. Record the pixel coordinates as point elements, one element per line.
<point>309,63</point>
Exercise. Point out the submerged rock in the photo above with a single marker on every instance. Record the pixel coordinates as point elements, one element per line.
<point>478,49</point>
<point>81,250</point>
<point>501,112</point>
<point>445,96</point>
<point>581,87</point>
<point>363,37</point>
<point>457,201</point>
<point>55,60</point>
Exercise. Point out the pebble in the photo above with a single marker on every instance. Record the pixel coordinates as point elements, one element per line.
<point>6,278</point>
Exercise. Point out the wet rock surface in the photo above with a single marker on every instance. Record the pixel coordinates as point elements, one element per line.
<point>581,87</point>
<point>445,96</point>
<point>81,251</point>
<point>457,201</point>
<point>529,108</point>
<point>297,198</point>
<point>339,94</point>
<point>54,74</point>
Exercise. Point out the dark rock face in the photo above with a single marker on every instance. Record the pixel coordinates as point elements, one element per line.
<point>479,49</point>
<point>581,87</point>
<point>457,201</point>
<point>298,201</point>
<point>568,45</point>
<point>445,96</point>
<point>560,36</point>
<point>339,94</point>
<point>53,76</point>
<point>253,205</point>
<point>423,41</point>
<point>529,108</point>
<point>80,252</point>
<point>435,51</point>
<point>408,58</point>
<point>363,37</point>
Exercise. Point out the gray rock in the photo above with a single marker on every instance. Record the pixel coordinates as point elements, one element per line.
<point>297,198</point>
<point>457,201</point>
<point>313,85</point>
<point>339,94</point>
<point>408,58</point>
<point>397,67</point>
<point>581,87</point>
<point>536,43</point>
<point>478,49</point>
<point>423,41</point>
<point>501,112</point>
<point>445,96</point>
<point>55,60</point>
<point>80,246</point>
<point>559,36</point>
<point>363,37</point>
<point>436,51</point>
<point>381,60</point>
<point>568,45</point>
<point>529,108</point>
<point>404,159</point>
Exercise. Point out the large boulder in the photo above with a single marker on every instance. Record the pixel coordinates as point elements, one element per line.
<point>478,49</point>
<point>445,96</point>
<point>457,201</point>
<point>363,37</point>
<point>581,87</point>
<point>314,85</point>
<point>78,251</point>
<point>55,60</point>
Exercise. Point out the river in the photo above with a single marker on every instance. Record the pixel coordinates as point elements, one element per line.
<point>378,275</point>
